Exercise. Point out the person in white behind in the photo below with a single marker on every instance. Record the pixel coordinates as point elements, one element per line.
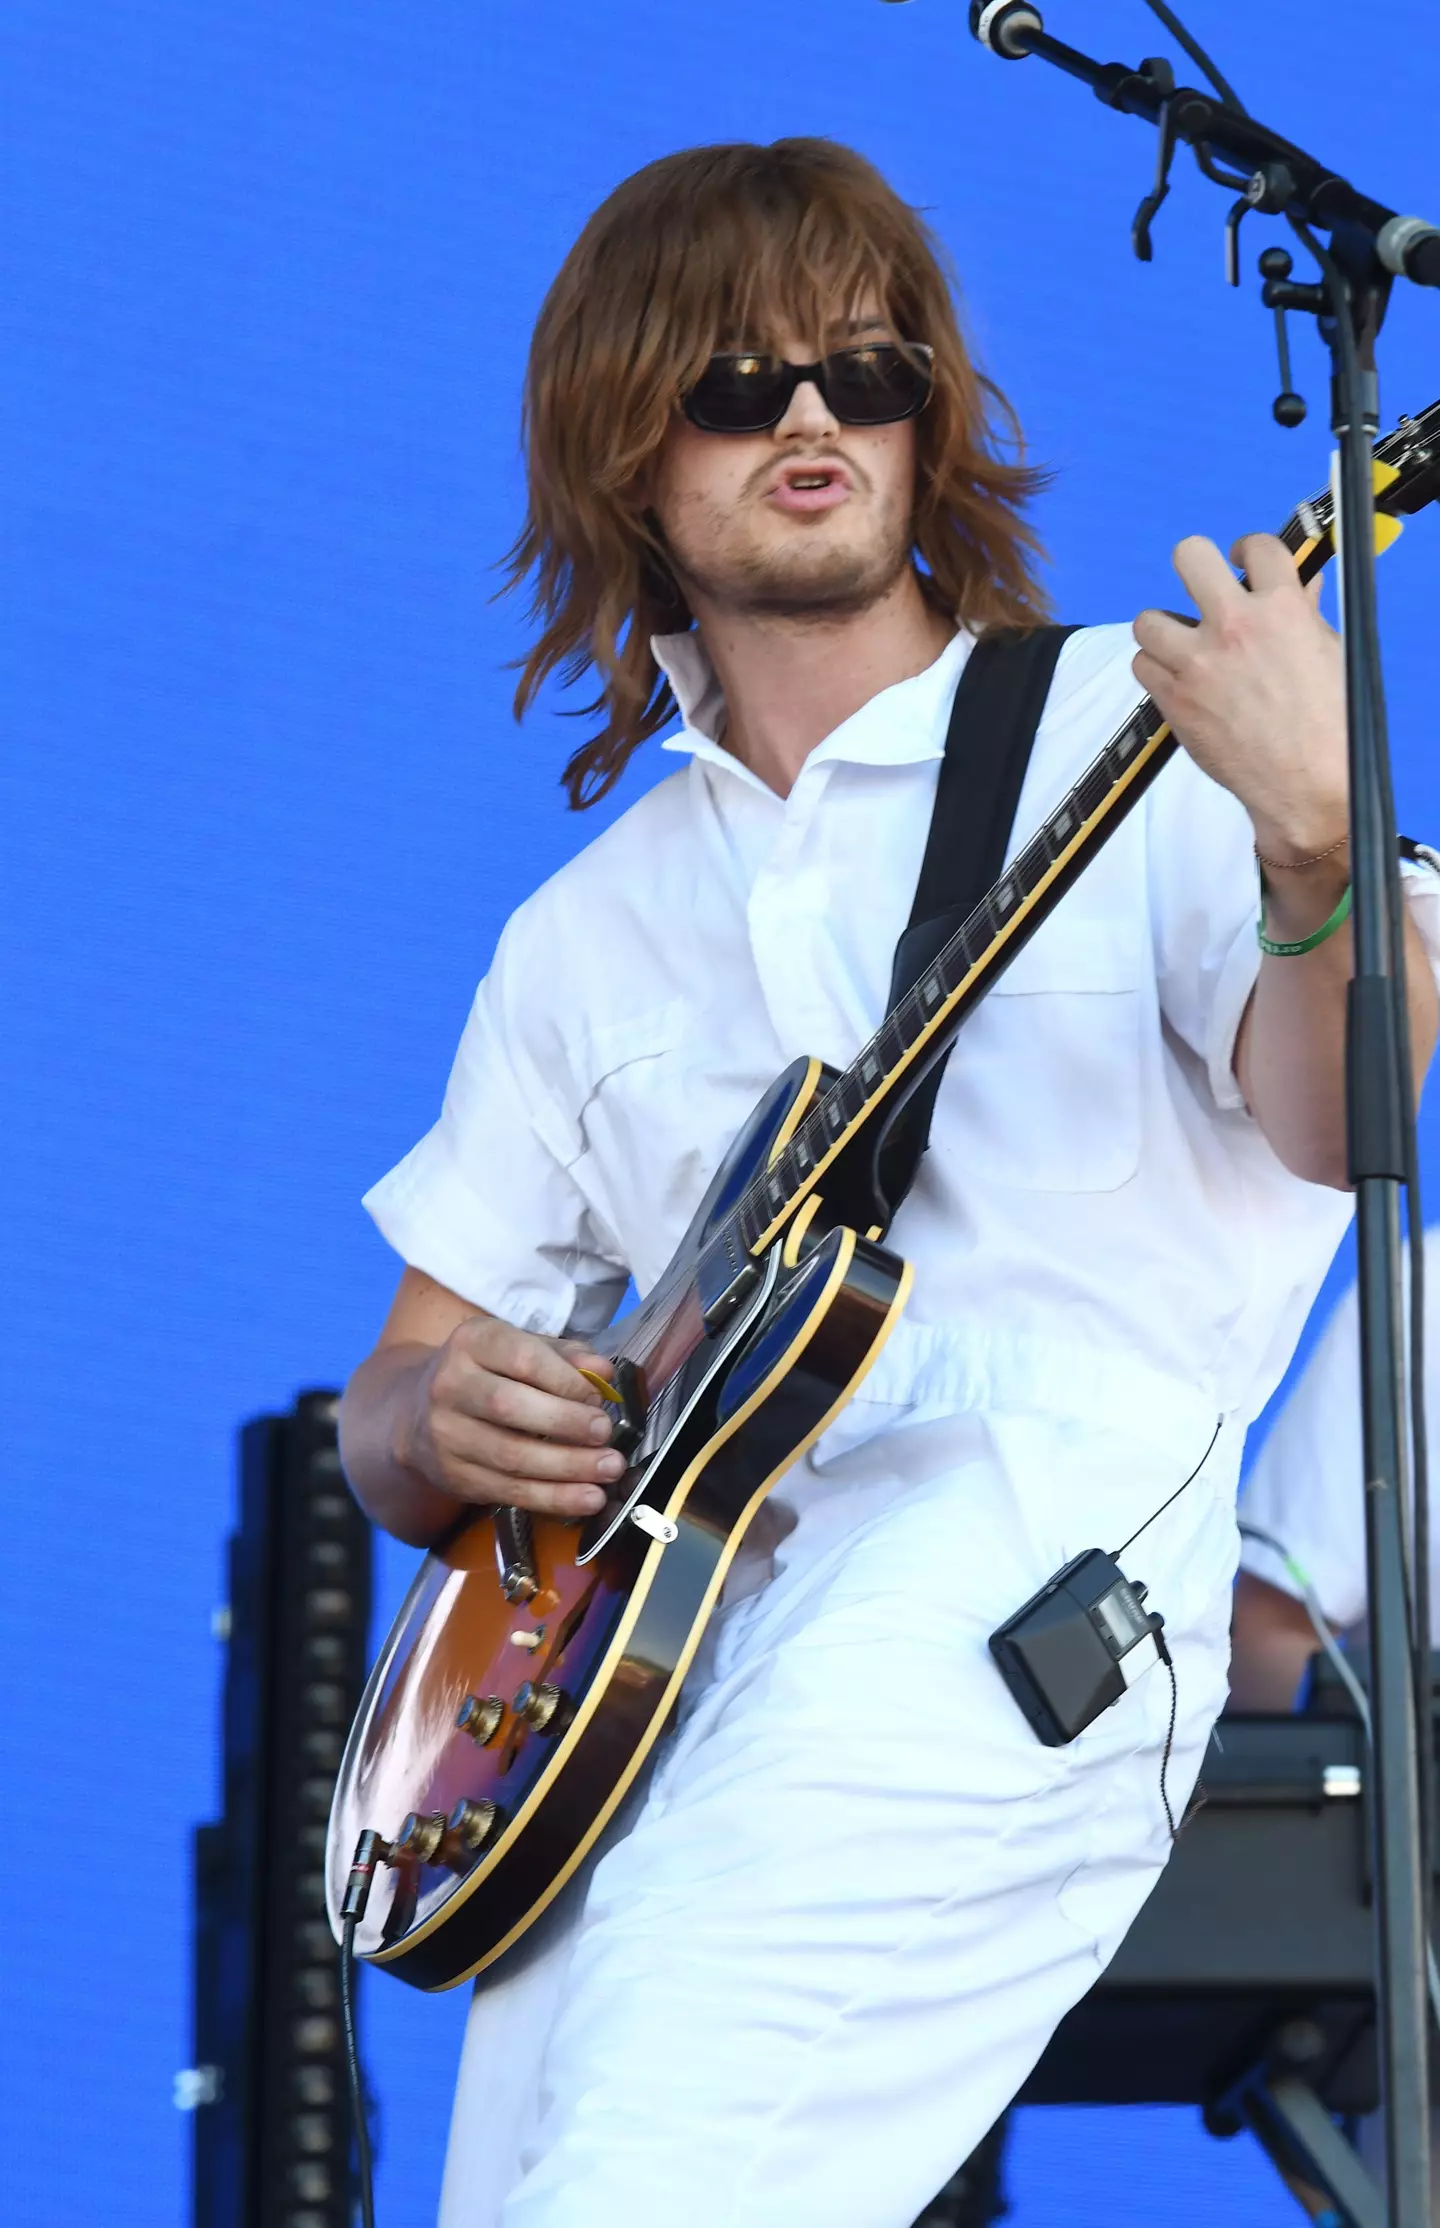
<point>1307,1491</point>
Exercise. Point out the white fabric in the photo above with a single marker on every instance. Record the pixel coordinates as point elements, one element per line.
<point>1308,1485</point>
<point>1098,1228</point>
<point>860,1894</point>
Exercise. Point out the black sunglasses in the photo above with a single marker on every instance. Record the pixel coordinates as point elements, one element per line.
<point>875,384</point>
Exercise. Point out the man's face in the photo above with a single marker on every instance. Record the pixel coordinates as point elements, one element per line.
<point>811,519</point>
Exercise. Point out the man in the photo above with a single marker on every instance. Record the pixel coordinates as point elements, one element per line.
<point>1306,1493</point>
<point>825,1947</point>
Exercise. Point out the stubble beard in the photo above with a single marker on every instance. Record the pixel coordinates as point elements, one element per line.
<point>799,583</point>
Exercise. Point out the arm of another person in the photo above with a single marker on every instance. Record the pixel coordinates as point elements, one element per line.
<point>455,1408</point>
<point>1302,1522</point>
<point>1256,694</point>
<point>1271,1641</point>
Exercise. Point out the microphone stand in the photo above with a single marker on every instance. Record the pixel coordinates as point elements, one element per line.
<point>1369,246</point>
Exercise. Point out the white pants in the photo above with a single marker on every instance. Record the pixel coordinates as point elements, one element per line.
<point>830,1940</point>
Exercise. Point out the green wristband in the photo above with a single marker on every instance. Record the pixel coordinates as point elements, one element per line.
<point>1274,950</point>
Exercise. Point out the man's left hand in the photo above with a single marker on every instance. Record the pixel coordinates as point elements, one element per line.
<point>1256,691</point>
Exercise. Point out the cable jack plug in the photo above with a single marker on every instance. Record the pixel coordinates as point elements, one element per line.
<point>370,1851</point>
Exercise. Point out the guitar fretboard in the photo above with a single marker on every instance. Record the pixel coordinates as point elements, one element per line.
<point>887,1068</point>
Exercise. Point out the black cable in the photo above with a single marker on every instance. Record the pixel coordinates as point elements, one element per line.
<point>1160,1648</point>
<point>364,2165</point>
<point>1117,1552</point>
<point>1165,1754</point>
<point>370,1850</point>
<point>1196,52</point>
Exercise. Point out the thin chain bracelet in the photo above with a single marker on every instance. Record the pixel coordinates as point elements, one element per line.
<point>1288,866</point>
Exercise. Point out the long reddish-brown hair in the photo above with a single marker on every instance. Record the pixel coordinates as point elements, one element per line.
<point>684,257</point>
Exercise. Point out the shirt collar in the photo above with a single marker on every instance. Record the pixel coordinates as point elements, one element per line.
<point>903,725</point>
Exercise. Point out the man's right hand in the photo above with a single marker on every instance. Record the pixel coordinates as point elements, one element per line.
<point>501,1415</point>
<point>456,1408</point>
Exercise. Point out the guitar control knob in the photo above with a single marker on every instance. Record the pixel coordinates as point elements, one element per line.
<point>541,1706</point>
<point>420,1836</point>
<point>472,1823</point>
<point>479,1715</point>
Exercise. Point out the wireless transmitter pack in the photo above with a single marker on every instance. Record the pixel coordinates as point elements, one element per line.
<point>1077,1646</point>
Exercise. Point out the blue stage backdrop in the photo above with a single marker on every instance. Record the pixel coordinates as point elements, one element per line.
<point>266,280</point>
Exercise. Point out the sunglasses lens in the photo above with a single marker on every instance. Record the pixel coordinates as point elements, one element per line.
<point>876,385</point>
<point>873,385</point>
<point>737,394</point>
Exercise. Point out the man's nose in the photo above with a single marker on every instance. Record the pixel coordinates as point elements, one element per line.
<point>809,416</point>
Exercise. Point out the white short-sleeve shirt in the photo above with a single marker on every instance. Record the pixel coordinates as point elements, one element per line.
<point>1099,1229</point>
<point>1307,1489</point>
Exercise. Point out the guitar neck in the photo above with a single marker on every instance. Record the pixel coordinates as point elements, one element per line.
<point>921,1026</point>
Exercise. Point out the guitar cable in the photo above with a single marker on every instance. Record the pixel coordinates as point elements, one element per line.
<point>370,1850</point>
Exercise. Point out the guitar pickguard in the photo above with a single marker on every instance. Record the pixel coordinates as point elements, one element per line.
<point>683,1400</point>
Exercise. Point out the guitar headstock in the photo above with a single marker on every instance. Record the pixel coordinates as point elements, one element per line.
<point>1407,477</point>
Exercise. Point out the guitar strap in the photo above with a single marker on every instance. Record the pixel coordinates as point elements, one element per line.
<point>993,723</point>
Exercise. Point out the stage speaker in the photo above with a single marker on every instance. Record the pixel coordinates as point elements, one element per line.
<point>273,2137</point>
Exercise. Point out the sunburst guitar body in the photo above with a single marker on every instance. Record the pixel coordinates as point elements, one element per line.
<point>535,1660</point>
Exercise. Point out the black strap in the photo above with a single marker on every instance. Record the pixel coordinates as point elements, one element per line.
<point>993,724</point>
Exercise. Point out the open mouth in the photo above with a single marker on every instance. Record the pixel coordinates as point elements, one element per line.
<point>810,487</point>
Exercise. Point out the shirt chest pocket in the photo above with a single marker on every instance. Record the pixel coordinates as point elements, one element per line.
<point>1043,1090</point>
<point>665,1097</point>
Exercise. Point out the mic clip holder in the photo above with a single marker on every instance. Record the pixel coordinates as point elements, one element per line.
<point>1271,189</point>
<point>1280,292</point>
<point>1162,77</point>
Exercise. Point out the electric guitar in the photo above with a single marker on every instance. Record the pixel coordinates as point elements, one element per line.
<point>535,1661</point>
